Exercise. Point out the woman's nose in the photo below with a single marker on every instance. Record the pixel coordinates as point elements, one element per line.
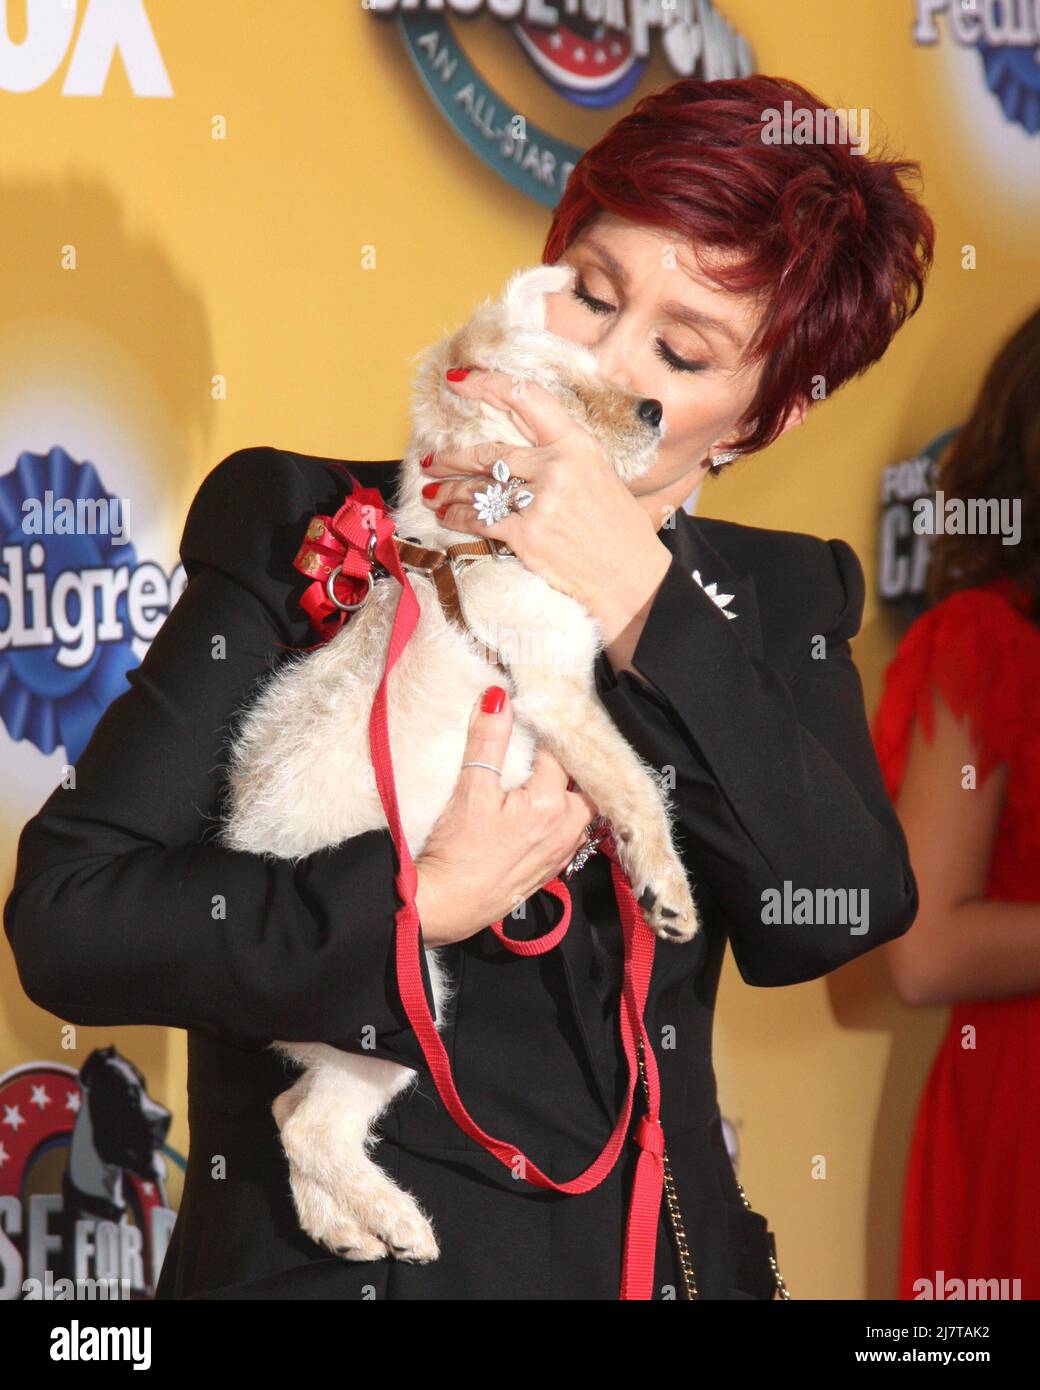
<point>614,355</point>
<point>614,370</point>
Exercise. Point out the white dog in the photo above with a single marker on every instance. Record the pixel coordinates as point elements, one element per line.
<point>300,771</point>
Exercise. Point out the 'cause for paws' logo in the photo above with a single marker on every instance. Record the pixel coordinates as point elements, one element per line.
<point>591,52</point>
<point>83,1207</point>
<point>73,599</point>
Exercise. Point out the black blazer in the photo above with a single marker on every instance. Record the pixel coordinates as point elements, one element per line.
<point>111,915</point>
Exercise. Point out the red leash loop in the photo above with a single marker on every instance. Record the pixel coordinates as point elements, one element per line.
<point>541,944</point>
<point>352,552</point>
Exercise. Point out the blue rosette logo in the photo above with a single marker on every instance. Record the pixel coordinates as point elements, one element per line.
<point>73,598</point>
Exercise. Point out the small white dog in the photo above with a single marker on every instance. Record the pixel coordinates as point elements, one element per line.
<point>300,771</point>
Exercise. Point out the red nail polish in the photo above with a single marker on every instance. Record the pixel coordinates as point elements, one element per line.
<point>430,489</point>
<point>441,511</point>
<point>425,462</point>
<point>457,373</point>
<point>494,699</point>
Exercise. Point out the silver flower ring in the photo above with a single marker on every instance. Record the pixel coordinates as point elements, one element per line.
<point>505,495</point>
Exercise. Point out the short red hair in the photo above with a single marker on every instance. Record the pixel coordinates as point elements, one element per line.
<point>835,241</point>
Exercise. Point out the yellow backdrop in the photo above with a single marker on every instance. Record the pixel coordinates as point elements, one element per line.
<point>254,258</point>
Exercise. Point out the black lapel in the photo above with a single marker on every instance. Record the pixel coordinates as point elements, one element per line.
<point>687,540</point>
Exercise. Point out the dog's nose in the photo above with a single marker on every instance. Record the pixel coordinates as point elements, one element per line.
<point>649,412</point>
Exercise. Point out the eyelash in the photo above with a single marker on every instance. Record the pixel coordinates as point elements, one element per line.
<point>664,352</point>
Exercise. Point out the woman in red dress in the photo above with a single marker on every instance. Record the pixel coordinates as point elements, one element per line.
<point>957,735</point>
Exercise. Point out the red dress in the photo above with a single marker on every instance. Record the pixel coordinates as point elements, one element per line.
<point>972,1203</point>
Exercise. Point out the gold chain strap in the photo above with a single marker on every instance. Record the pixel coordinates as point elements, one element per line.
<point>675,1215</point>
<point>784,1294</point>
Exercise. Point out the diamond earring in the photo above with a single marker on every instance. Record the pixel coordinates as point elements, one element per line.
<point>717,463</point>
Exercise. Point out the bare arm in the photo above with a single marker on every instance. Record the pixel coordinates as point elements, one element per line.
<point>963,945</point>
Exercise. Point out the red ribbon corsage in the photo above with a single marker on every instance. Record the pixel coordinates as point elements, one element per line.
<point>342,546</point>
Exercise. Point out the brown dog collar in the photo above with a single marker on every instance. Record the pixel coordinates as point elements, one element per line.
<point>443,567</point>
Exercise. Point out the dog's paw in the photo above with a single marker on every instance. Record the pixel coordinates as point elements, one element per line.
<point>404,1228</point>
<point>363,1219</point>
<point>346,1202</point>
<point>664,895</point>
<point>679,924</point>
<point>342,1233</point>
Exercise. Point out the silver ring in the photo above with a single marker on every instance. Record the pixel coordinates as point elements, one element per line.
<point>331,581</point>
<point>490,766</point>
<point>502,497</point>
<point>587,850</point>
<point>347,607</point>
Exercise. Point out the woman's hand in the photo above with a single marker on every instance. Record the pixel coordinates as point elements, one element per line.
<point>491,850</point>
<point>585,534</point>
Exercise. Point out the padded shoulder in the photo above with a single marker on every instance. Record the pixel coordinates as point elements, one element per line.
<point>805,586</point>
<point>248,519</point>
<point>853,590</point>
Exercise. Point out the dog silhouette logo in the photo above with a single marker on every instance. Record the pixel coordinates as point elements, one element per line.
<point>83,1175</point>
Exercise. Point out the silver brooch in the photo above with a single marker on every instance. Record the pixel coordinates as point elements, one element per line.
<point>712,591</point>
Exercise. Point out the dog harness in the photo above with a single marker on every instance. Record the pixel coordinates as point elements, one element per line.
<point>321,549</point>
<point>350,549</point>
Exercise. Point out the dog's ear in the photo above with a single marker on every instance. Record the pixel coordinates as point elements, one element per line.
<point>95,1064</point>
<point>524,295</point>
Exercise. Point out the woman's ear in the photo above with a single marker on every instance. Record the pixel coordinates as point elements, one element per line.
<point>795,415</point>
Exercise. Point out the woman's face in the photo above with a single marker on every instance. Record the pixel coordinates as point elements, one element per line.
<point>656,326</point>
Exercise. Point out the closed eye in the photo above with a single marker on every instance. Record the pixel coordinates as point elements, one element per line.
<point>598,306</point>
<point>675,363</point>
<point>671,359</point>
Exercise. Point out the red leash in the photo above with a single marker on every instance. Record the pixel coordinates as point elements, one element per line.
<point>345,541</point>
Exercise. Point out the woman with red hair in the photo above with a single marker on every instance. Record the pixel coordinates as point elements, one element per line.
<point>734,281</point>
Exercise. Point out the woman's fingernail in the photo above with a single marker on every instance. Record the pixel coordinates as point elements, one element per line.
<point>494,699</point>
<point>457,373</point>
<point>430,489</point>
<point>425,463</point>
<point>441,511</point>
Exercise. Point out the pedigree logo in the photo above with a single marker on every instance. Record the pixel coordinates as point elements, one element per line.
<point>50,39</point>
<point>1006,34</point>
<point>593,53</point>
<point>74,598</point>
